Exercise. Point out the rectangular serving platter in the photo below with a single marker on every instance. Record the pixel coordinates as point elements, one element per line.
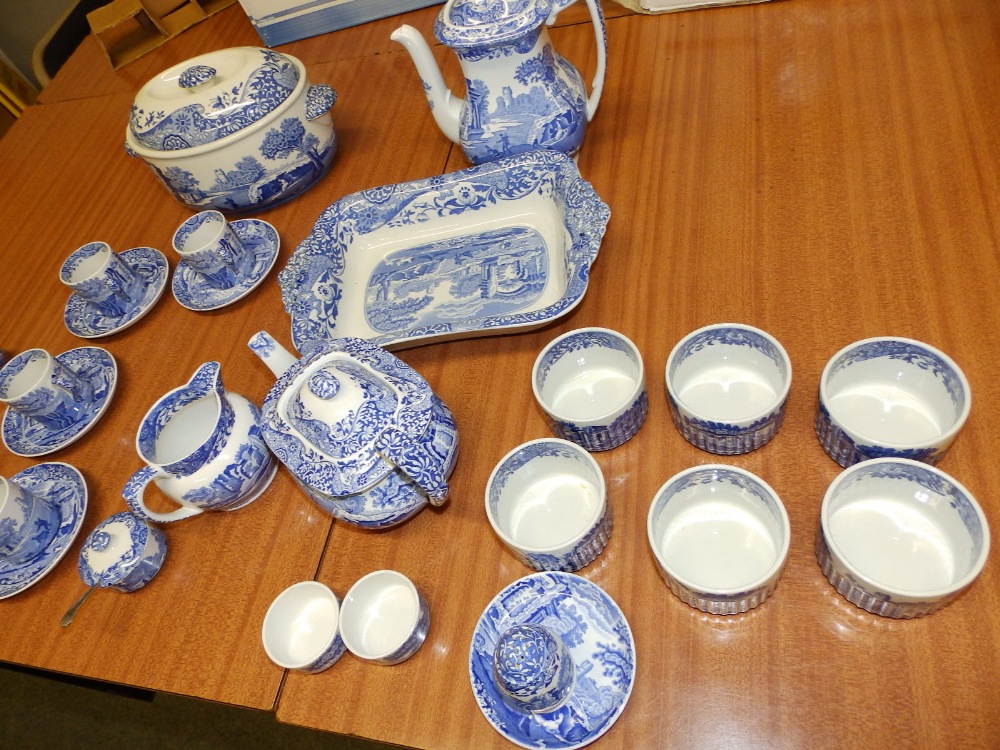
<point>501,247</point>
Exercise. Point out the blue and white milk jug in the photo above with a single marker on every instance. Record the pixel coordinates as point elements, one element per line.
<point>521,94</point>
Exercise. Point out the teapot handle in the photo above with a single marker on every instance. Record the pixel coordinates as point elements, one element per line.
<point>601,34</point>
<point>417,462</point>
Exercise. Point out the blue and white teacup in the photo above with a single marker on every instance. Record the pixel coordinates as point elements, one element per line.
<point>890,396</point>
<point>37,385</point>
<point>301,629</point>
<point>100,276</point>
<point>208,245</point>
<point>123,552</point>
<point>727,385</point>
<point>533,668</point>
<point>384,618</point>
<point>547,502</point>
<point>28,522</point>
<point>592,387</point>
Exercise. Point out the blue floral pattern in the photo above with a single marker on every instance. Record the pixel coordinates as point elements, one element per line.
<point>379,459</point>
<point>142,550</point>
<point>600,645</point>
<point>847,450</point>
<point>26,436</point>
<point>65,488</point>
<point>420,293</point>
<point>226,112</point>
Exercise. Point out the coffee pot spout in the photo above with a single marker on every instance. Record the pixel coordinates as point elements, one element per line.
<point>445,106</point>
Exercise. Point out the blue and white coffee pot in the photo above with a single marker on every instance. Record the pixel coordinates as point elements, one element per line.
<point>521,94</point>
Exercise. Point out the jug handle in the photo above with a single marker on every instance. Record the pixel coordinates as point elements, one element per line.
<point>601,34</point>
<point>136,487</point>
<point>416,462</point>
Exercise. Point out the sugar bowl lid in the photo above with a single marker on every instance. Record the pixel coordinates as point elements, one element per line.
<point>212,96</point>
<point>471,23</point>
<point>347,414</point>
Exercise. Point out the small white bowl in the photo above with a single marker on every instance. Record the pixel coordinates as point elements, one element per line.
<point>591,384</point>
<point>720,537</point>
<point>727,385</point>
<point>890,396</point>
<point>547,502</point>
<point>384,618</point>
<point>900,538</point>
<point>301,629</point>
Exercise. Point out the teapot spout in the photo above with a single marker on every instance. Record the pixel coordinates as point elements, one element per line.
<point>445,106</point>
<point>277,358</point>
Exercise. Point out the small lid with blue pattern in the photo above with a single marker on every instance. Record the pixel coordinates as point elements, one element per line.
<point>212,96</point>
<point>475,23</point>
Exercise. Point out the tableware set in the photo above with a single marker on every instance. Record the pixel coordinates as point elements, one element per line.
<point>366,438</point>
<point>52,401</point>
<point>382,619</point>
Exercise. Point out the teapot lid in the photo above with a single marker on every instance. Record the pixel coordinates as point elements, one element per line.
<point>333,416</point>
<point>472,23</point>
<point>212,96</point>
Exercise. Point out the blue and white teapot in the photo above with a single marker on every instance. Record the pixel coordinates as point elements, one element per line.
<point>521,94</point>
<point>359,429</point>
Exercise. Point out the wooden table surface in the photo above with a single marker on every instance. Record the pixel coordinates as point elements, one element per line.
<point>824,171</point>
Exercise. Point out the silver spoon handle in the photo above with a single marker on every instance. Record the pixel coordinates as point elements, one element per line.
<point>71,612</point>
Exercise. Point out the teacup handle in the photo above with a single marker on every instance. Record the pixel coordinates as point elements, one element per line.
<point>417,462</point>
<point>135,488</point>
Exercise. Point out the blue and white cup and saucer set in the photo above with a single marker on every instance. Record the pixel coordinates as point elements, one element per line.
<point>41,513</point>
<point>111,291</point>
<point>53,400</point>
<point>221,261</point>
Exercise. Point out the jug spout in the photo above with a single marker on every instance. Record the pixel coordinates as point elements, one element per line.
<point>277,358</point>
<point>445,106</point>
<point>207,379</point>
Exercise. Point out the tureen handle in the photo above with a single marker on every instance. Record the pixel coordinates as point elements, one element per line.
<point>416,461</point>
<point>274,355</point>
<point>320,98</point>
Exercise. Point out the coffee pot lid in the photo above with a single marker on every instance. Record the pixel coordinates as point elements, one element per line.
<point>471,23</point>
<point>212,96</point>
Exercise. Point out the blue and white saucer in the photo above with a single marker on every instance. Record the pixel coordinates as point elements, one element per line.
<point>600,643</point>
<point>86,320</point>
<point>25,436</point>
<point>195,293</point>
<point>65,486</point>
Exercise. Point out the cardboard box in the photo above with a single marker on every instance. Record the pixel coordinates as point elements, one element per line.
<point>128,29</point>
<point>283,21</point>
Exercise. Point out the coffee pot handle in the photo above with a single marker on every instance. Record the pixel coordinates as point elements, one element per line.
<point>601,34</point>
<point>135,489</point>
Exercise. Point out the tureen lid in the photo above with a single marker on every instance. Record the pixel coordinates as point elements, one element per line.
<point>471,23</point>
<point>212,96</point>
<point>345,415</point>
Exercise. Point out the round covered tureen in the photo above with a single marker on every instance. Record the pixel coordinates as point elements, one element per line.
<point>359,429</point>
<point>238,129</point>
